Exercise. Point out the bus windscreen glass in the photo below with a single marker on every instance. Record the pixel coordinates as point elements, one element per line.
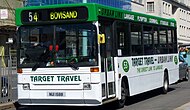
<point>58,45</point>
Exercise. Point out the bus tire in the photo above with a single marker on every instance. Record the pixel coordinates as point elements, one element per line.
<point>121,103</point>
<point>165,84</point>
<point>187,76</point>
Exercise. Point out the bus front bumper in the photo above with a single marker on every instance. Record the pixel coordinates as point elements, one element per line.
<point>77,102</point>
<point>80,97</point>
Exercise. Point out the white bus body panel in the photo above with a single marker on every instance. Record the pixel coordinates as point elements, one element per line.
<point>145,76</point>
<point>71,90</point>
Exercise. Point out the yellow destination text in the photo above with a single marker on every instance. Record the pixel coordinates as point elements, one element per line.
<point>63,15</point>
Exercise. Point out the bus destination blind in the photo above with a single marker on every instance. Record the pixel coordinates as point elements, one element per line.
<point>53,15</point>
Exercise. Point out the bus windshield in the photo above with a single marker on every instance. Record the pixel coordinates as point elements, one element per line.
<point>57,45</point>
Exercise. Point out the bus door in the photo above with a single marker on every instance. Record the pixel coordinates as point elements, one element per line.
<point>107,63</point>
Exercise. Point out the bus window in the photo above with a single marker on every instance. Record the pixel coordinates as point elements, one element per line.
<point>75,41</point>
<point>163,41</point>
<point>61,42</point>
<point>148,40</point>
<point>86,42</point>
<point>123,39</point>
<point>136,39</point>
<point>156,41</point>
<point>170,41</point>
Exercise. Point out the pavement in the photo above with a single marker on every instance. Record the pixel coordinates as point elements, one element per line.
<point>184,107</point>
<point>9,105</point>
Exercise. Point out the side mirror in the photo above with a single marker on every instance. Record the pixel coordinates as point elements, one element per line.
<point>101,38</point>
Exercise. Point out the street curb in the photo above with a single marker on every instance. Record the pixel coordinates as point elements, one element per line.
<point>7,105</point>
<point>184,107</point>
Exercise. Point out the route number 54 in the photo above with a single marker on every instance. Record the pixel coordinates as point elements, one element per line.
<point>33,16</point>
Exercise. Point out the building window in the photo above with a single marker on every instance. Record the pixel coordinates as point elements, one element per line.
<point>169,9</point>
<point>166,8</point>
<point>138,1</point>
<point>183,14</point>
<point>188,16</point>
<point>150,6</point>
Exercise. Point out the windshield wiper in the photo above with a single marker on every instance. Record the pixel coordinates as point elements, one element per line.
<point>72,65</point>
<point>37,65</point>
<point>42,60</point>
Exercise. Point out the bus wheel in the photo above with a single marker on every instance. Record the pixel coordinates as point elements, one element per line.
<point>187,76</point>
<point>165,85</point>
<point>121,102</point>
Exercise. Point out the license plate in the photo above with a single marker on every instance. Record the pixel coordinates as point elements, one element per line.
<point>56,94</point>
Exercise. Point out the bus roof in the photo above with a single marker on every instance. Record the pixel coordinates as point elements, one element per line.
<point>82,12</point>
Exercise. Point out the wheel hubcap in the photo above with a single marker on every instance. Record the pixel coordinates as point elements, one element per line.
<point>166,85</point>
<point>123,94</point>
<point>187,76</point>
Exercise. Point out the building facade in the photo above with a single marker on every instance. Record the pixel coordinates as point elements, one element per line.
<point>7,27</point>
<point>138,5</point>
<point>177,9</point>
<point>124,4</point>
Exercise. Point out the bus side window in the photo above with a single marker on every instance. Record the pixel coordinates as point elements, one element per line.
<point>136,39</point>
<point>156,41</point>
<point>123,39</point>
<point>170,41</point>
<point>148,40</point>
<point>163,41</point>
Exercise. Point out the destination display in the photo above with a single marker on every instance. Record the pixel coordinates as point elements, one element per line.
<point>54,15</point>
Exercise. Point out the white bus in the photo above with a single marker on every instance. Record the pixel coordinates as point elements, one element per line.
<point>90,54</point>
